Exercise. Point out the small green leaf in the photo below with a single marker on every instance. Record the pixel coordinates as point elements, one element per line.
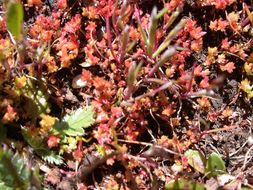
<point>215,165</point>
<point>196,160</point>
<point>15,17</point>
<point>50,157</point>
<point>181,184</point>
<point>74,123</point>
<point>40,147</point>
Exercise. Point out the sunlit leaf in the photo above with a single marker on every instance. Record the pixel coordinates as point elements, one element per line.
<point>74,123</point>
<point>34,95</point>
<point>247,87</point>
<point>15,17</point>
<point>196,160</point>
<point>181,184</point>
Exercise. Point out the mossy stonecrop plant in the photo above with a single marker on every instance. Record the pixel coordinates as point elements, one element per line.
<point>141,54</point>
<point>135,63</point>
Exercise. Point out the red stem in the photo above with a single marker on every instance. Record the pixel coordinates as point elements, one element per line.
<point>192,76</point>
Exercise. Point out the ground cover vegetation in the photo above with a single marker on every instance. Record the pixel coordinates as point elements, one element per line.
<point>126,94</point>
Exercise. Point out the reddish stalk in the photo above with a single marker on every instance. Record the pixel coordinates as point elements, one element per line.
<point>218,130</point>
<point>191,79</point>
<point>109,38</point>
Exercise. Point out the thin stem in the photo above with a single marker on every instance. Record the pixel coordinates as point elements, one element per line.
<point>219,130</point>
<point>167,85</point>
<point>150,144</point>
<point>191,78</point>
